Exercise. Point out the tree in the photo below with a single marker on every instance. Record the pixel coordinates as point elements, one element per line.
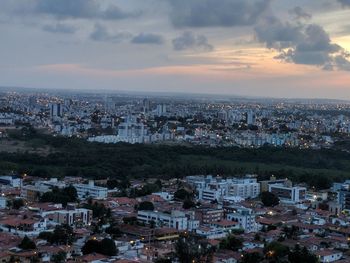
<point>114,230</point>
<point>189,249</point>
<point>60,257</point>
<point>105,247</point>
<point>188,204</point>
<point>231,243</point>
<point>62,235</point>
<point>269,199</point>
<point>146,206</point>
<point>17,203</point>
<point>27,244</point>
<point>90,246</point>
<point>252,257</point>
<point>108,247</point>
<point>183,194</point>
<point>257,237</point>
<point>301,255</point>
<point>159,183</point>
<point>276,251</point>
<point>63,196</point>
<point>98,210</point>
<point>291,231</point>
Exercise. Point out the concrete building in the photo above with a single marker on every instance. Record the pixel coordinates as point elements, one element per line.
<point>12,180</point>
<point>209,215</point>
<point>56,110</point>
<point>264,185</point>
<point>245,217</point>
<point>3,202</point>
<point>176,219</point>
<point>32,193</point>
<point>72,217</point>
<point>292,195</point>
<point>216,189</point>
<point>132,130</point>
<point>245,188</point>
<point>85,191</point>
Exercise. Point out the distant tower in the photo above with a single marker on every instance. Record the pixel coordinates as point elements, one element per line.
<point>56,110</point>
<point>32,102</point>
<point>67,104</point>
<point>250,118</point>
<point>146,105</point>
<point>161,110</point>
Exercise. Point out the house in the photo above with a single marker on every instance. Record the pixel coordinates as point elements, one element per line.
<point>175,219</point>
<point>329,255</point>
<point>226,225</point>
<point>23,226</point>
<point>208,232</point>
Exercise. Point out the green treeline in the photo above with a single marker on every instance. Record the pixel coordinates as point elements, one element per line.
<point>77,157</point>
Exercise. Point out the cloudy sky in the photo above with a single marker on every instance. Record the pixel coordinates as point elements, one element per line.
<point>274,48</point>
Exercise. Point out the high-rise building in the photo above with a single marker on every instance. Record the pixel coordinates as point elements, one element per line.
<point>161,110</point>
<point>146,105</point>
<point>132,130</point>
<point>56,110</point>
<point>250,118</point>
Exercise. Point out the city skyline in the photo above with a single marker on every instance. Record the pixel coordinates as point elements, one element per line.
<point>244,48</point>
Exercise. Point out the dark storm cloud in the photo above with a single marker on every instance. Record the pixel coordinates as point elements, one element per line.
<point>189,40</point>
<point>298,43</point>
<point>224,13</point>
<point>300,13</point>
<point>59,28</point>
<point>277,34</point>
<point>148,38</point>
<point>100,33</point>
<point>79,9</point>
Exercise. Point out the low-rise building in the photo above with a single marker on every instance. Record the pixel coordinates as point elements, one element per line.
<point>292,195</point>
<point>85,191</point>
<point>209,215</point>
<point>72,217</point>
<point>175,219</point>
<point>329,255</point>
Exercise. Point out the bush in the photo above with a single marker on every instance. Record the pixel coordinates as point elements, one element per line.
<point>27,244</point>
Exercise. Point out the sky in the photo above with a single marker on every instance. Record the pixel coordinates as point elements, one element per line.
<point>269,48</point>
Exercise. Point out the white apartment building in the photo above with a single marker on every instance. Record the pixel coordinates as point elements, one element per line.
<point>70,217</point>
<point>291,195</point>
<point>215,188</point>
<point>11,180</point>
<point>85,191</point>
<point>132,130</point>
<point>165,195</point>
<point>329,255</point>
<point>176,219</point>
<point>245,217</point>
<point>245,188</point>
<point>3,202</point>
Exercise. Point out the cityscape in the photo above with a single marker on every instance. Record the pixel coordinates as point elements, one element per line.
<point>175,131</point>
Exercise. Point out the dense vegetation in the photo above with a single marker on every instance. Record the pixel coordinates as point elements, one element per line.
<point>76,157</point>
<point>269,199</point>
<point>65,195</point>
<point>105,247</point>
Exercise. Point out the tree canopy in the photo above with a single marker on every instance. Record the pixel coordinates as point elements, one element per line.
<point>105,247</point>
<point>269,199</point>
